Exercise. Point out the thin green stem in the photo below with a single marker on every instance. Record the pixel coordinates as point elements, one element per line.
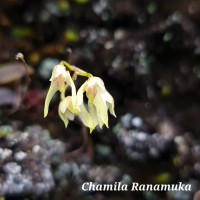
<point>62,95</point>
<point>78,71</point>
<point>66,64</point>
<point>74,76</point>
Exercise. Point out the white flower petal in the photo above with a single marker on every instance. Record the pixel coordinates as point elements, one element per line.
<point>70,82</point>
<point>69,115</point>
<point>93,114</point>
<point>86,118</point>
<point>52,90</point>
<point>92,81</point>
<point>111,109</point>
<point>59,70</point>
<point>80,92</point>
<point>101,109</point>
<point>63,117</point>
<point>64,104</point>
<point>110,102</point>
<point>106,96</point>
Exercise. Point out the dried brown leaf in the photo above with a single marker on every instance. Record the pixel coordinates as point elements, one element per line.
<point>13,71</point>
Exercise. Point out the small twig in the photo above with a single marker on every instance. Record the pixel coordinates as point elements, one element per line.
<point>22,91</point>
<point>20,56</point>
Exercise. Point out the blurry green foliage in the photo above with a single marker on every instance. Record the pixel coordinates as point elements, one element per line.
<point>71,35</point>
<point>4,132</point>
<point>21,32</point>
<point>163,178</point>
<point>81,1</point>
<point>166,90</point>
<point>64,5</point>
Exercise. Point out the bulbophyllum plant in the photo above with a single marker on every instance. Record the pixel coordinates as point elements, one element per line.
<point>92,113</point>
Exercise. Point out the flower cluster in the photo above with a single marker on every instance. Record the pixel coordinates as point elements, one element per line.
<point>92,114</point>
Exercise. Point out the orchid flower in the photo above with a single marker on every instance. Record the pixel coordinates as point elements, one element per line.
<point>99,101</point>
<point>59,79</point>
<point>66,110</point>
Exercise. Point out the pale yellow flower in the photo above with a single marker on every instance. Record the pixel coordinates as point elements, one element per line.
<point>86,118</point>
<point>60,77</point>
<point>99,101</point>
<point>66,110</point>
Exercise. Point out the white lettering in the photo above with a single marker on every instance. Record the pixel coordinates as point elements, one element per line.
<point>165,187</point>
<point>181,186</point>
<point>118,186</point>
<point>188,187</point>
<point>156,187</point>
<point>135,186</point>
<point>84,186</point>
<point>124,187</point>
<point>149,187</point>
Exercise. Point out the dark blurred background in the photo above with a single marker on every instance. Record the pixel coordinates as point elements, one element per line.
<point>148,54</point>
